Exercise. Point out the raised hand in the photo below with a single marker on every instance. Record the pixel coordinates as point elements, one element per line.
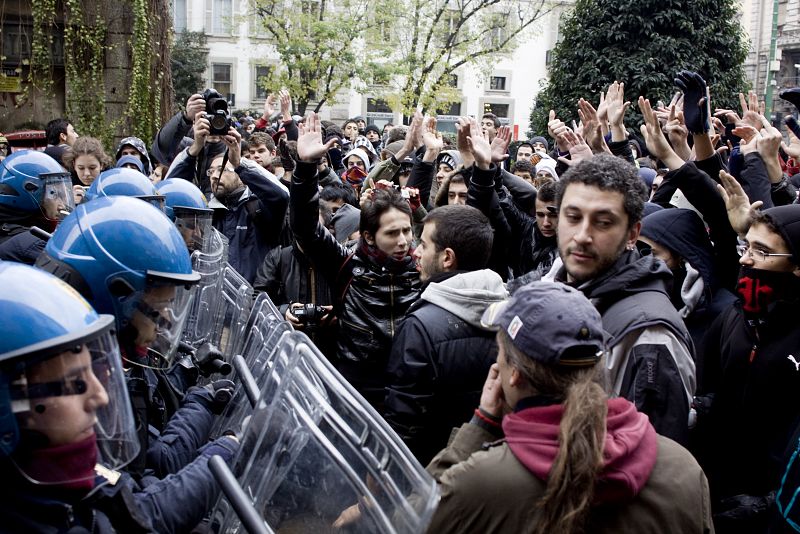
<point>500,144</point>
<point>695,97</point>
<point>737,204</point>
<point>430,136</point>
<point>194,105</point>
<point>478,143</point>
<point>617,106</point>
<point>286,105</point>
<point>654,138</point>
<point>233,140</point>
<point>577,147</point>
<point>555,127</point>
<point>310,147</point>
<point>591,127</point>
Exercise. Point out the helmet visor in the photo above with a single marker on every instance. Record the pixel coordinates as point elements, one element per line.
<point>157,317</point>
<point>73,412</point>
<point>195,228</point>
<point>57,200</point>
<point>155,200</point>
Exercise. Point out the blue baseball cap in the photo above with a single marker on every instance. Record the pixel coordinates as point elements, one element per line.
<point>552,323</point>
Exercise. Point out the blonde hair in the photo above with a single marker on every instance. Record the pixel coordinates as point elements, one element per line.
<point>567,499</point>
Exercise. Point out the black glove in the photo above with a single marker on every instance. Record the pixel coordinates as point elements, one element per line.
<point>210,360</point>
<point>791,122</point>
<point>221,393</point>
<point>792,95</point>
<point>288,153</point>
<point>741,508</point>
<point>695,110</point>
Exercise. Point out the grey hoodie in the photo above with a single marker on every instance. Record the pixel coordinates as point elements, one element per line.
<point>467,295</point>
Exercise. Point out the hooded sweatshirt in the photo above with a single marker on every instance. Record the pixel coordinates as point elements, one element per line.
<point>629,449</point>
<point>138,144</point>
<point>648,483</point>
<point>702,297</point>
<point>651,360</point>
<point>439,360</point>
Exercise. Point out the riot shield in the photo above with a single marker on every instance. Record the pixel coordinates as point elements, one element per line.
<point>233,312</point>
<point>315,448</point>
<point>265,328</point>
<point>210,263</point>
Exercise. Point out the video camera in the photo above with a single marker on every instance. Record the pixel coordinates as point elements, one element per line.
<point>309,314</point>
<point>217,112</point>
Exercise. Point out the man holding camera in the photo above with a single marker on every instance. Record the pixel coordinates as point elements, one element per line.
<point>249,203</point>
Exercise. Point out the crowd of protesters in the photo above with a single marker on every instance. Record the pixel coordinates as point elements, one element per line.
<point>592,333</point>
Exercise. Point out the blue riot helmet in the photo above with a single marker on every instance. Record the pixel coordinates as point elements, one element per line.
<point>187,206</point>
<point>64,405</point>
<point>128,259</point>
<point>127,183</point>
<point>33,182</point>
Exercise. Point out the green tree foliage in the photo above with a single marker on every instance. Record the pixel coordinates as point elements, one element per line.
<point>321,47</point>
<point>189,60</point>
<point>437,37</point>
<point>642,43</point>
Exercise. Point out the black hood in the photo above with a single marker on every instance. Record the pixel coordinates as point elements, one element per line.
<point>684,234</point>
<point>631,274</point>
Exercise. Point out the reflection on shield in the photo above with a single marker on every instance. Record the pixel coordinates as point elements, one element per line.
<point>208,295</point>
<point>265,329</point>
<point>315,448</point>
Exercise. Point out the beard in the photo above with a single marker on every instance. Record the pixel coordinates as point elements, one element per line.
<point>596,263</point>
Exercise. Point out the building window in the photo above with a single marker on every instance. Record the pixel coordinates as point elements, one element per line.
<point>221,78</point>
<point>221,17</point>
<point>261,72</point>
<point>179,15</point>
<point>497,83</point>
<point>501,110</point>
<point>453,110</point>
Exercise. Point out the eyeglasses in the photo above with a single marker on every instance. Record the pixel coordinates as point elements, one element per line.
<point>756,254</point>
<point>216,170</point>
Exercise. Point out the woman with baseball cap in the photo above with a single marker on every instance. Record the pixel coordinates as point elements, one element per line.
<point>547,450</point>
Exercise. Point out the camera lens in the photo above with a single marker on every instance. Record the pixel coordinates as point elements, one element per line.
<point>219,122</point>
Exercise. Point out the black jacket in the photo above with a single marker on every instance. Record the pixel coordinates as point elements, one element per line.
<point>252,221</point>
<point>748,366</point>
<point>371,300</point>
<point>683,233</point>
<point>440,358</point>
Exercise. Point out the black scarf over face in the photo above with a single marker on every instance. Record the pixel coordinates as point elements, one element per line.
<point>759,288</point>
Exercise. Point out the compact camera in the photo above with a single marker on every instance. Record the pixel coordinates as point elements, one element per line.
<point>309,313</point>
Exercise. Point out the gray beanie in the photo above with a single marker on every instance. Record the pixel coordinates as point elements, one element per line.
<point>345,221</point>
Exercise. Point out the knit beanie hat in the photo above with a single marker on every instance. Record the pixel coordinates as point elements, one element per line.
<point>449,157</point>
<point>647,176</point>
<point>345,221</point>
<point>372,128</point>
<point>787,219</point>
<point>548,165</point>
<point>540,139</point>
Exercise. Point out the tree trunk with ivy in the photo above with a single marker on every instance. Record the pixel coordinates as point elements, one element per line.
<point>118,79</point>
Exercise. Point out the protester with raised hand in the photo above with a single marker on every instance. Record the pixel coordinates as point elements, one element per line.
<point>373,286</point>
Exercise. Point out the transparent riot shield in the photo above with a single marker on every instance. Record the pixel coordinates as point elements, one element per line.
<point>265,328</point>
<point>210,263</point>
<point>233,312</point>
<point>315,448</point>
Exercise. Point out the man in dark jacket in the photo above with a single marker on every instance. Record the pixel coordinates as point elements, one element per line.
<point>750,373</point>
<point>441,354</point>
<point>651,361</point>
<point>249,203</point>
<point>372,287</point>
<point>679,238</point>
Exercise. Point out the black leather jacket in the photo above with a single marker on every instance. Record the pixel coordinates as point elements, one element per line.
<point>370,300</point>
